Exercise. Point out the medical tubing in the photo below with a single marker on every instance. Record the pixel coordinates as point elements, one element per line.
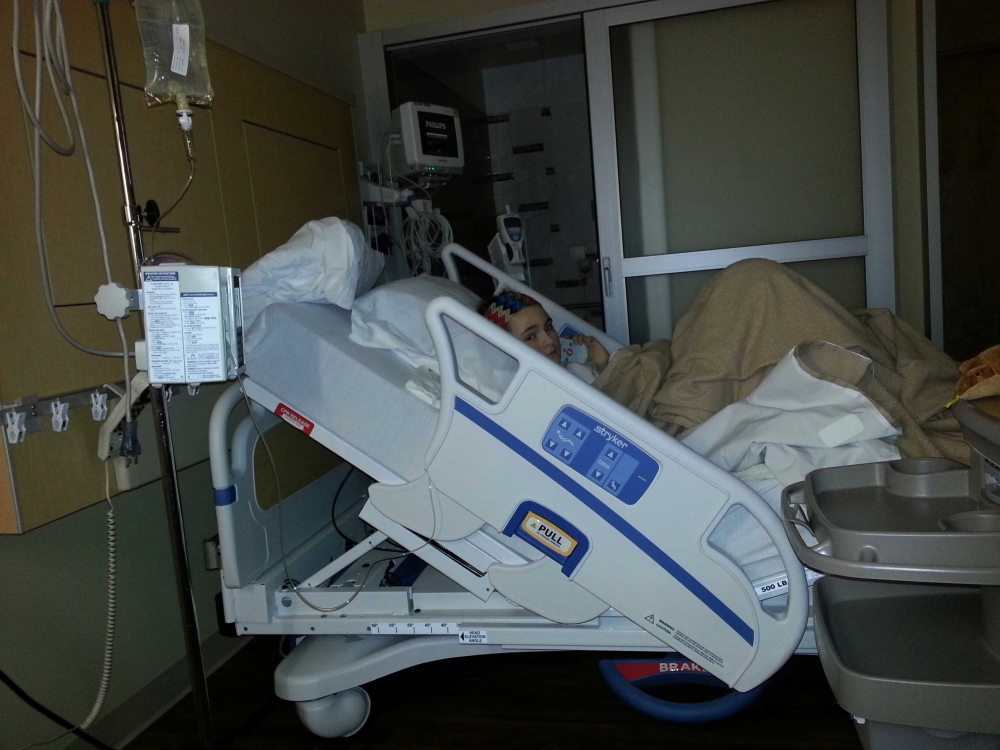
<point>60,49</point>
<point>85,148</point>
<point>180,197</point>
<point>64,72</point>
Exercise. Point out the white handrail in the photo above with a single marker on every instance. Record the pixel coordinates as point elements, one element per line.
<point>218,436</point>
<point>504,281</point>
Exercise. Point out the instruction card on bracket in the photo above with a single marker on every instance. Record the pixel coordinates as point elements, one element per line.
<point>193,321</point>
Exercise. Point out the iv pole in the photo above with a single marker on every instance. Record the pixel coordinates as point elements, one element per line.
<point>164,443</point>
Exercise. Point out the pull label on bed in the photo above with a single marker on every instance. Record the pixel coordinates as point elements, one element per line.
<point>600,454</point>
<point>548,534</point>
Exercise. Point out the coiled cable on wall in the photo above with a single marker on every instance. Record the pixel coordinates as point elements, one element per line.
<point>109,629</point>
<point>112,611</point>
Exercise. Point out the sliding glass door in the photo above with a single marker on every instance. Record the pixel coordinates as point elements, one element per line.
<point>727,130</point>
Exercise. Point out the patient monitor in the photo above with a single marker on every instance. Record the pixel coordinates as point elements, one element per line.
<point>432,139</point>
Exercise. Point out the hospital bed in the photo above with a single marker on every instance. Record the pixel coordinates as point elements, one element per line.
<point>552,518</point>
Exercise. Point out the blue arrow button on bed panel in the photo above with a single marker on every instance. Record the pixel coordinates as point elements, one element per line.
<point>587,444</point>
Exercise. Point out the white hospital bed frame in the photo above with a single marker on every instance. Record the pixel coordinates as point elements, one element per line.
<point>454,608</point>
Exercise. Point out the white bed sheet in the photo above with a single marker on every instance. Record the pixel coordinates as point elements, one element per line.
<point>301,353</point>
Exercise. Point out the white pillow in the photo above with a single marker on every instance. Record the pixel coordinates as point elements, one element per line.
<point>325,261</point>
<point>392,317</point>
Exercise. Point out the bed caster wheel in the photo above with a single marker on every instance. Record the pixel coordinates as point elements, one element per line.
<point>338,715</point>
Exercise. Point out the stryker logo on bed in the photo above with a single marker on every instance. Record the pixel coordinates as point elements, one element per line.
<point>611,437</point>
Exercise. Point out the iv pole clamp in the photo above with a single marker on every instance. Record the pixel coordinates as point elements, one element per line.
<point>165,450</point>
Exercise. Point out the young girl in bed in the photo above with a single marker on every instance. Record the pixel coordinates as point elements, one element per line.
<point>525,319</point>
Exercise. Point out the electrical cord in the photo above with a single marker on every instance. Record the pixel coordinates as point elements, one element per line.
<point>389,224</point>
<point>425,235</point>
<point>292,583</point>
<point>109,645</point>
<point>50,714</point>
<point>336,526</point>
<point>388,156</point>
<point>333,508</point>
<point>112,611</point>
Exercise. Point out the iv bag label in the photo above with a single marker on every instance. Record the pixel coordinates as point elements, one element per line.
<point>202,333</point>
<point>164,328</point>
<point>182,49</point>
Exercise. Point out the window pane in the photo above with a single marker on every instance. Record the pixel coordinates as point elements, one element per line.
<point>738,127</point>
<point>656,303</point>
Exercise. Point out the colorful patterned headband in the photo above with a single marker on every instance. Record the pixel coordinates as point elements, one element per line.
<point>506,304</point>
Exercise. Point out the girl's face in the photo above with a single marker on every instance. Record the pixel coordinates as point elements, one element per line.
<point>533,326</point>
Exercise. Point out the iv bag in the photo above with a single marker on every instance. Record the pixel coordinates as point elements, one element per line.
<point>173,43</point>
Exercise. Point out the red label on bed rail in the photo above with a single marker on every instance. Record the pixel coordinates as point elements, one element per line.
<point>295,419</point>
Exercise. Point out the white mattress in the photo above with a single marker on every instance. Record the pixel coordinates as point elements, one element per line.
<point>300,352</point>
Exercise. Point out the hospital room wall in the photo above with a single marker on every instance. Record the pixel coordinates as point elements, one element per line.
<point>272,154</point>
<point>905,127</point>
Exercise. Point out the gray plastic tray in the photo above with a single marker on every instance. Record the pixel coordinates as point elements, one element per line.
<point>912,520</point>
<point>910,654</point>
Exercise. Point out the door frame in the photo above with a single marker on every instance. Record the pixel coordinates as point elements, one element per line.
<point>932,167</point>
<point>876,245</point>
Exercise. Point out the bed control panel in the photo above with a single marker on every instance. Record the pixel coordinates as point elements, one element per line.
<point>600,455</point>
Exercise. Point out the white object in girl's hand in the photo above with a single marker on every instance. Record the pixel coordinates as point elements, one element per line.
<point>572,352</point>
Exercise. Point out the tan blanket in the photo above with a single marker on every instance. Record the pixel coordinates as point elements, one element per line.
<point>746,319</point>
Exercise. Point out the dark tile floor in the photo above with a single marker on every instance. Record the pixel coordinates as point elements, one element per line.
<point>533,700</point>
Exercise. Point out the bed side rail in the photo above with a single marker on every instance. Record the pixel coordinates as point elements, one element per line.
<point>560,315</point>
<point>248,534</point>
<point>646,555</point>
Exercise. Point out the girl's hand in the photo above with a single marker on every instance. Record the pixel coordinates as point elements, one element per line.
<point>596,352</point>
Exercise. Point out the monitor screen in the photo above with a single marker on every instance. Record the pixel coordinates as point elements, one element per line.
<point>437,134</point>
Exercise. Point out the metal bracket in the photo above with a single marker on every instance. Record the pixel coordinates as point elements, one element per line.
<point>211,554</point>
<point>193,389</point>
<point>26,415</point>
<point>136,300</point>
